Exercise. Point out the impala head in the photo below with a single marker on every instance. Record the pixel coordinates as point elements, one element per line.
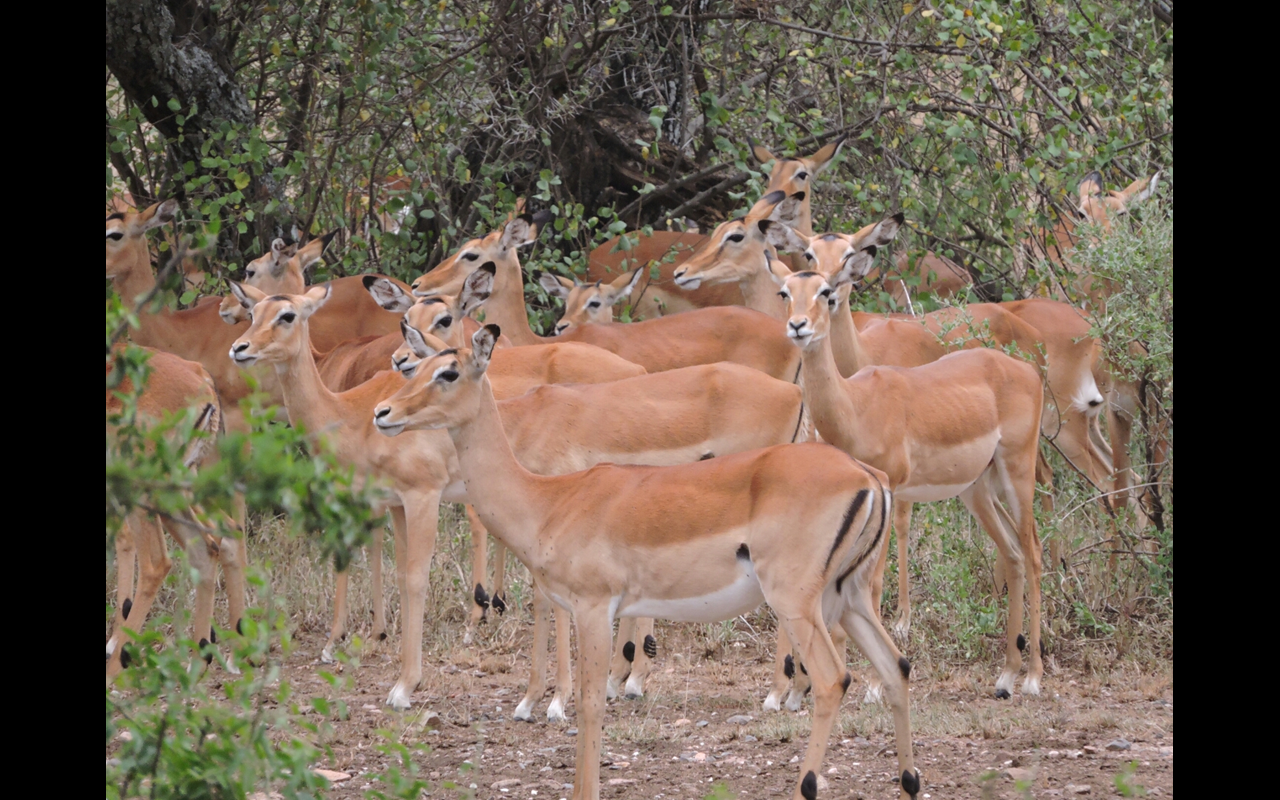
<point>435,323</point>
<point>735,250</point>
<point>827,253</point>
<point>588,302</point>
<point>279,271</point>
<point>1097,205</point>
<point>444,393</point>
<point>127,236</point>
<point>278,330</point>
<point>500,247</point>
<point>812,296</point>
<point>791,175</point>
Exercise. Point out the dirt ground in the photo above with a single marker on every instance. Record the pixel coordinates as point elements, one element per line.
<point>676,742</point>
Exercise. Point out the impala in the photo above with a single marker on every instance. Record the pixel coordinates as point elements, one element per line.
<point>966,425</point>
<point>174,386</point>
<point>796,526</point>
<point>587,302</point>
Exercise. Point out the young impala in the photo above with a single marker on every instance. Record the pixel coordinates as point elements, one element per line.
<point>796,526</point>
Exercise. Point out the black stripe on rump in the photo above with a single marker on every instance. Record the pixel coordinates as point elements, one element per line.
<point>845,524</point>
<point>875,543</point>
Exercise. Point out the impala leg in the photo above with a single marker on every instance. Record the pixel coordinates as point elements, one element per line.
<point>234,555</point>
<point>830,682</point>
<point>981,504</point>
<point>620,667</point>
<point>499,598</point>
<point>1018,490</point>
<point>421,514</point>
<point>862,621</point>
<point>783,665</point>
<point>126,558</point>
<point>645,644</point>
<point>379,632</point>
<point>902,526</point>
<point>200,562</point>
<point>594,638</point>
<point>338,629</point>
<point>153,567</point>
<point>1044,477</point>
<point>479,571</point>
<point>538,658</point>
<point>564,667</point>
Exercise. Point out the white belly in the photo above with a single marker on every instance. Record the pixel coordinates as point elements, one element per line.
<point>739,597</point>
<point>929,494</point>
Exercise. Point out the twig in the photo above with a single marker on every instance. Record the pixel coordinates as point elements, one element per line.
<point>669,188</point>
<point>699,198</point>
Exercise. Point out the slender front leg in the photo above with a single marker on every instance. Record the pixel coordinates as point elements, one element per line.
<point>198,558</point>
<point>830,681</point>
<point>981,504</point>
<point>594,637</point>
<point>623,653</point>
<point>421,514</point>
<point>902,527</point>
<point>379,633</point>
<point>234,555</point>
<point>498,600</point>
<point>564,667</point>
<point>338,629</point>
<point>538,658</point>
<point>783,669</point>
<point>479,571</point>
<point>153,566</point>
<point>126,558</point>
<point>646,649</point>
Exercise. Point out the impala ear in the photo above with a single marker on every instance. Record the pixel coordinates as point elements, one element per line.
<point>1141,189</point>
<point>248,296</point>
<point>476,289</point>
<point>761,154</point>
<point>415,340</point>
<point>827,154</point>
<point>313,250</point>
<point>1091,186</point>
<point>783,236</point>
<point>880,234</point>
<point>777,270</point>
<point>554,285</point>
<point>388,294</point>
<point>788,211</point>
<point>482,343</point>
<point>624,284</point>
<point>313,299</point>
<point>856,265</point>
<point>767,205</point>
<point>520,231</point>
<point>280,255</point>
<point>158,214</point>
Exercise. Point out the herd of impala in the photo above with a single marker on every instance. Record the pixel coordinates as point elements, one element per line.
<point>671,468</point>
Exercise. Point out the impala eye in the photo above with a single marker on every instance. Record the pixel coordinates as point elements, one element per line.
<point>249,273</point>
<point>784,295</point>
<point>737,237</point>
<point>825,293</point>
<point>444,322</point>
<point>593,304</point>
<point>471,256</point>
<point>287,316</point>
<point>448,376</point>
<point>115,236</point>
<point>808,256</point>
<point>802,176</point>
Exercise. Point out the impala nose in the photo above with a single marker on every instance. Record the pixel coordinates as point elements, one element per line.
<point>797,325</point>
<point>680,272</point>
<point>381,411</point>
<point>561,328</point>
<point>239,347</point>
<point>396,363</point>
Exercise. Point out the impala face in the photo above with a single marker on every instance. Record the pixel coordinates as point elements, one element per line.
<point>277,330</point>
<point>435,323</point>
<point>587,302</point>
<point>812,296</point>
<point>279,271</point>
<point>735,249</point>
<point>1101,206</point>
<point>499,246</point>
<point>126,235</point>
<point>791,175</point>
<point>445,391</point>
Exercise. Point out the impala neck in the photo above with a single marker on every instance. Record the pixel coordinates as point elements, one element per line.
<point>307,400</point>
<point>505,305</point>
<point>804,225</point>
<point>760,293</point>
<point>845,344</point>
<point>503,492</point>
<point>834,412</point>
<point>155,329</point>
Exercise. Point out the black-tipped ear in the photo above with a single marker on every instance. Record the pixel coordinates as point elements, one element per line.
<point>774,197</point>
<point>368,281</point>
<point>489,267</point>
<point>493,328</point>
<point>798,197</point>
<point>763,225</point>
<point>870,250</point>
<point>899,218</point>
<point>328,237</point>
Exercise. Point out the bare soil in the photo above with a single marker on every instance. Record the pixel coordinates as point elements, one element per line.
<point>676,741</point>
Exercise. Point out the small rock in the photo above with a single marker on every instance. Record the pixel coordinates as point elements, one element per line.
<point>700,757</point>
<point>1090,750</point>
<point>431,721</point>
<point>1019,775</point>
<point>505,783</point>
<point>620,765</point>
<point>621,781</point>
<point>750,738</point>
<point>125,736</point>
<point>1053,754</point>
<point>1072,788</point>
<point>1074,753</point>
<point>266,796</point>
<point>738,719</point>
<point>861,741</point>
<point>571,732</point>
<point>332,776</point>
<point>833,770</point>
<point>1165,750</point>
<point>1119,744</point>
<point>702,723</point>
<point>823,785</point>
<point>681,722</point>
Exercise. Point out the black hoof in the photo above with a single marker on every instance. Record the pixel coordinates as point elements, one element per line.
<point>125,658</point>
<point>208,656</point>
<point>499,604</point>
<point>481,596</point>
<point>1002,694</point>
<point>809,786</point>
<point>910,783</point>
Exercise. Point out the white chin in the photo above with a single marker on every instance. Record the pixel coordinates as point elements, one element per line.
<point>389,430</point>
<point>802,340</point>
<point>689,283</point>
<point>244,362</point>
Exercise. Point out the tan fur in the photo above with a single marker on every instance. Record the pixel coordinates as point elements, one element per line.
<point>615,536</point>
